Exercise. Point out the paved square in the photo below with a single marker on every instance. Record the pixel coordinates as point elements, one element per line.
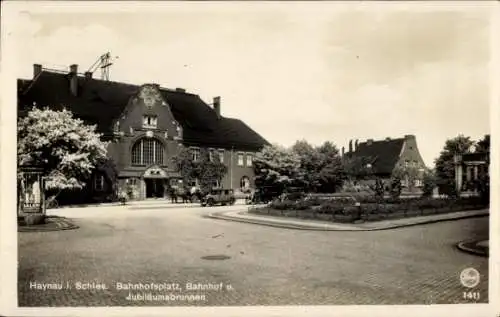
<point>257,265</point>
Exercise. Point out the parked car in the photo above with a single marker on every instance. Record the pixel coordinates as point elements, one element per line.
<point>218,196</point>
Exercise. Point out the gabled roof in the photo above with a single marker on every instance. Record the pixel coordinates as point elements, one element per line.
<point>383,154</point>
<point>101,102</point>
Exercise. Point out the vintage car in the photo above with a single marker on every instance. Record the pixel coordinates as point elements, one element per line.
<point>218,197</point>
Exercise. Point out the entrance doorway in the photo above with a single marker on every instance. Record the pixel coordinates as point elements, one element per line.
<point>154,187</point>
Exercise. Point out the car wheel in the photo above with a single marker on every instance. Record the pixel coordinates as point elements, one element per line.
<point>210,202</point>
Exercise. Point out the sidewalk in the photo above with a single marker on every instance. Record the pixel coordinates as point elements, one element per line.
<point>293,223</point>
<point>166,203</point>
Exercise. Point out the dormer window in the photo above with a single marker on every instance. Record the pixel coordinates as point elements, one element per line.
<point>150,122</point>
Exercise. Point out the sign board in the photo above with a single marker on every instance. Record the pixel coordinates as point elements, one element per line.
<point>155,172</point>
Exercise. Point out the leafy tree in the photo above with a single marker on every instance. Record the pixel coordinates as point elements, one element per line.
<point>66,148</point>
<point>330,175</point>
<point>379,188</point>
<point>409,173</point>
<point>483,145</point>
<point>276,168</point>
<point>308,163</point>
<point>396,186</point>
<point>357,167</point>
<point>429,183</point>
<point>484,180</point>
<point>205,170</point>
<point>445,165</point>
<point>320,167</point>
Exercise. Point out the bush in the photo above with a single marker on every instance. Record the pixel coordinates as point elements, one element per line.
<point>379,189</point>
<point>447,188</point>
<point>283,205</point>
<point>429,185</point>
<point>396,187</point>
<point>484,189</point>
<point>332,207</point>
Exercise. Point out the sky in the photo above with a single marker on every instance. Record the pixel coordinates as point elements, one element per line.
<point>315,71</point>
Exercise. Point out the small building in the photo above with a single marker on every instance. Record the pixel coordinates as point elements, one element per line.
<point>148,126</point>
<point>470,169</point>
<point>380,159</point>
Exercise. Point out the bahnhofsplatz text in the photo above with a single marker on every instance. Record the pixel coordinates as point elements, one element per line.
<point>127,286</point>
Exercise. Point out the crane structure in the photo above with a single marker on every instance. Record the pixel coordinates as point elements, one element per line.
<point>103,62</point>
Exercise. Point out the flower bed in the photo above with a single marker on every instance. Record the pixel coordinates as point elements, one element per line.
<point>345,209</point>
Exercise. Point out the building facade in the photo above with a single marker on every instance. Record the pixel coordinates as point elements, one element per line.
<point>382,158</point>
<point>148,125</point>
<point>470,169</point>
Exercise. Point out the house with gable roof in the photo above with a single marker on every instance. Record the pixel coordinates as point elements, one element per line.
<point>381,158</point>
<point>150,124</point>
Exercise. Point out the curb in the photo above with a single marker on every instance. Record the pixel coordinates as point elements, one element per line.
<point>462,246</point>
<point>133,203</point>
<point>60,225</point>
<point>317,228</point>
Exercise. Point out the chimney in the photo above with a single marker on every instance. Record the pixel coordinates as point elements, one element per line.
<point>88,75</point>
<point>369,142</point>
<point>180,89</point>
<point>217,106</point>
<point>37,69</point>
<point>343,151</point>
<point>350,146</point>
<point>409,136</point>
<point>356,145</point>
<point>73,79</point>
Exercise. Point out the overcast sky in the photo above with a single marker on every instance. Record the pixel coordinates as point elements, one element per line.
<point>321,71</point>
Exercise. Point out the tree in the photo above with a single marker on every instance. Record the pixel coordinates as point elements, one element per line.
<point>445,164</point>
<point>276,168</point>
<point>320,167</point>
<point>308,157</point>
<point>429,183</point>
<point>379,188</point>
<point>206,169</point>
<point>357,167</point>
<point>483,145</point>
<point>330,173</point>
<point>395,186</point>
<point>66,148</point>
<point>409,174</point>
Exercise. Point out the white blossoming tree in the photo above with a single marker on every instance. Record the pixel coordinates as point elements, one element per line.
<point>276,168</point>
<point>65,147</point>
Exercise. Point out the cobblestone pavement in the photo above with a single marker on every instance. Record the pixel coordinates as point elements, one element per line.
<point>266,266</point>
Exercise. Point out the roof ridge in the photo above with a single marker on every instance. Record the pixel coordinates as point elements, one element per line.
<point>82,76</point>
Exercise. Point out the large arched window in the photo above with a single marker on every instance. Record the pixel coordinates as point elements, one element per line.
<point>147,152</point>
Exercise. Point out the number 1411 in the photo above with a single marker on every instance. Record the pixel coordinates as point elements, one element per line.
<point>471,295</point>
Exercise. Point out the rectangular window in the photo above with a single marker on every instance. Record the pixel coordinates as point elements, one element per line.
<point>211,155</point>
<point>149,122</point>
<point>99,182</point>
<point>195,154</point>
<point>221,155</point>
<point>249,159</point>
<point>216,184</point>
<point>240,159</point>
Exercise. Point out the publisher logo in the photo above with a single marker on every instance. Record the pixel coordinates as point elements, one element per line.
<point>469,277</point>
